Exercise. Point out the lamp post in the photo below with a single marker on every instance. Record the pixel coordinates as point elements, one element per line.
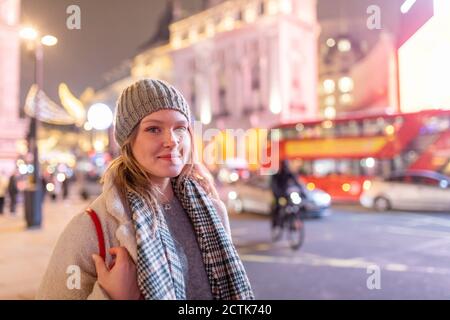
<point>34,192</point>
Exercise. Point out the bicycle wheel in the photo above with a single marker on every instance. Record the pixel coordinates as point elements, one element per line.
<point>296,232</point>
<point>277,226</point>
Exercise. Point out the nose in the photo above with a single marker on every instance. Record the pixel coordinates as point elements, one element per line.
<point>170,139</point>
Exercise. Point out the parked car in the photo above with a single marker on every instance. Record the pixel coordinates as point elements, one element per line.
<point>410,190</point>
<point>254,195</point>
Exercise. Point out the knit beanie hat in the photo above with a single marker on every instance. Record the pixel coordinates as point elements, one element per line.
<point>142,98</point>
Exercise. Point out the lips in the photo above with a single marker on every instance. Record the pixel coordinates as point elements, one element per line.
<point>169,156</point>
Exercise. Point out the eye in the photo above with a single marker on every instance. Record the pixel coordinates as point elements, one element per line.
<point>182,128</point>
<point>153,130</point>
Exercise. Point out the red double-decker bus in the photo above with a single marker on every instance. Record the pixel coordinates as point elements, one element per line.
<point>341,156</point>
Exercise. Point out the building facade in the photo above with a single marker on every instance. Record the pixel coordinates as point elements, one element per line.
<point>242,63</point>
<point>12,128</point>
<point>348,52</point>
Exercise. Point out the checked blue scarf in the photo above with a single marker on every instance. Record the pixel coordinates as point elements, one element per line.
<point>159,270</point>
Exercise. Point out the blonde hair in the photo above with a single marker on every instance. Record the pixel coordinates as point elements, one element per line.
<point>129,175</point>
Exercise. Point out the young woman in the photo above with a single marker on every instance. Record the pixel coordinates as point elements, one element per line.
<point>165,229</point>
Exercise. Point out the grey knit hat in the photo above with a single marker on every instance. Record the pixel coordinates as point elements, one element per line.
<point>142,98</point>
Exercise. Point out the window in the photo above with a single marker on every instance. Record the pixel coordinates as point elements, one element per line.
<point>344,167</point>
<point>290,133</point>
<point>436,124</point>
<point>324,167</point>
<point>416,179</point>
<point>328,132</point>
<point>428,181</point>
<point>396,179</point>
<point>351,128</point>
<point>305,168</point>
<point>372,127</point>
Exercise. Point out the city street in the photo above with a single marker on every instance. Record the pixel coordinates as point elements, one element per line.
<point>411,250</point>
<point>310,106</point>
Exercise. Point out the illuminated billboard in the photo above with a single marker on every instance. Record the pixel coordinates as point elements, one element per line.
<point>424,64</point>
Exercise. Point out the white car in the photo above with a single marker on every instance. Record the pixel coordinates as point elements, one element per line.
<point>254,195</point>
<point>411,190</point>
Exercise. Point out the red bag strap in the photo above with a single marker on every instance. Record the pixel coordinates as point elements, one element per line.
<point>98,229</point>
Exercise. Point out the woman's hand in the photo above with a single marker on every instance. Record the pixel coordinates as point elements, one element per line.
<point>120,279</point>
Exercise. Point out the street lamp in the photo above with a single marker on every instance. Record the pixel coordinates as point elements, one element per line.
<point>34,192</point>
<point>100,118</point>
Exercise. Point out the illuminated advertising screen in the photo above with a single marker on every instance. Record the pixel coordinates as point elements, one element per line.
<point>424,63</point>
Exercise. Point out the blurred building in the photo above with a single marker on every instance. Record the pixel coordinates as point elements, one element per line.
<point>400,67</point>
<point>241,64</point>
<point>153,60</point>
<point>255,63</point>
<point>345,61</point>
<point>12,128</point>
<point>248,63</point>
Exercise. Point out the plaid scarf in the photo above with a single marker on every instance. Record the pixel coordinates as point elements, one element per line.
<point>159,270</point>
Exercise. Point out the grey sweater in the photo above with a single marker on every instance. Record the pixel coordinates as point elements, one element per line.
<point>196,280</point>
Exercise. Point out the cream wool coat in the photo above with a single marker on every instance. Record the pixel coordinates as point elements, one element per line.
<point>73,252</point>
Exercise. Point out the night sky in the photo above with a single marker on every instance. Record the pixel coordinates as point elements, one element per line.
<point>113,30</point>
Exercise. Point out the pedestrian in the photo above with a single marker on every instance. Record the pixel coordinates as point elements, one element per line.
<point>165,229</point>
<point>3,188</point>
<point>65,188</point>
<point>13,191</point>
<point>43,187</point>
<point>57,188</point>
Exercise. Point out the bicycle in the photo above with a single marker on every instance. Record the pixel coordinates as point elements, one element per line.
<point>289,217</point>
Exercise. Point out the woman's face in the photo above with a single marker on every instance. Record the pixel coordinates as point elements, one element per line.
<point>163,143</point>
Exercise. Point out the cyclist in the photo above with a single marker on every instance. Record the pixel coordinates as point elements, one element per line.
<point>280,183</point>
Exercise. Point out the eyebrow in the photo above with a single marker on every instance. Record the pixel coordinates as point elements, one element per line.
<point>162,122</point>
